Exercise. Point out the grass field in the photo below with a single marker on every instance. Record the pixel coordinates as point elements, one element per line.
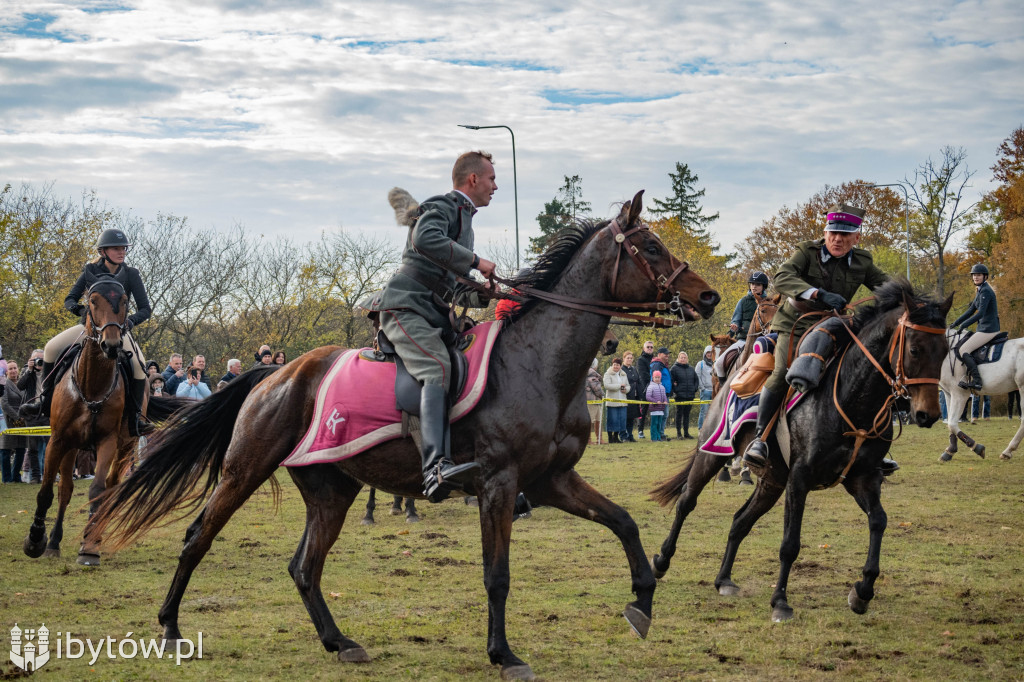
<point>949,604</point>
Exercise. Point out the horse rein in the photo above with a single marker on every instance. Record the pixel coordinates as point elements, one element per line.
<point>899,385</point>
<point>617,309</point>
<point>95,405</point>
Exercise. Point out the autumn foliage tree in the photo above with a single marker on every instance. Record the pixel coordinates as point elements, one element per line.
<point>1006,206</point>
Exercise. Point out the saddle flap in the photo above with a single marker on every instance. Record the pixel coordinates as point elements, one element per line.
<point>408,388</point>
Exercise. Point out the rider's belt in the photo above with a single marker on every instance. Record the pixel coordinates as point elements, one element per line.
<point>436,286</point>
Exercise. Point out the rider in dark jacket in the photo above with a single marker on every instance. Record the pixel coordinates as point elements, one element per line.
<point>113,247</point>
<point>985,312</point>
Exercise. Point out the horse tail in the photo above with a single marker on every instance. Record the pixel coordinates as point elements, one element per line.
<point>667,492</point>
<point>165,486</point>
<point>162,407</point>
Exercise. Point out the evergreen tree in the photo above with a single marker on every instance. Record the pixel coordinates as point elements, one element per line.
<point>552,219</point>
<point>684,203</point>
<point>571,195</point>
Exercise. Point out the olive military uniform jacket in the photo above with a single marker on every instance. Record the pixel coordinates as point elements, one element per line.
<point>442,236</point>
<point>982,310</point>
<point>805,270</point>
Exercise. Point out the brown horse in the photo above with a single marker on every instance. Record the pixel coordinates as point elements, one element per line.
<point>88,404</point>
<point>527,432</point>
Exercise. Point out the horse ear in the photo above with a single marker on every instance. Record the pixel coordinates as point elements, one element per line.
<point>907,303</point>
<point>635,207</point>
<point>777,299</point>
<point>623,217</point>
<point>947,304</point>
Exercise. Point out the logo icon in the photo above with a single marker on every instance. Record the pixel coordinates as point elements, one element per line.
<point>32,653</point>
<point>333,420</point>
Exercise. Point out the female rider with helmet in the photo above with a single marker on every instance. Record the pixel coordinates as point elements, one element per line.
<point>113,247</point>
<point>985,312</point>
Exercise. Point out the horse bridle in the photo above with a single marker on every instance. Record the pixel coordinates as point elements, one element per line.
<point>95,405</point>
<point>97,333</point>
<point>898,383</point>
<point>618,309</point>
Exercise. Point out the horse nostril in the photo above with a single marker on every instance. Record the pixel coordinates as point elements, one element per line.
<point>710,298</point>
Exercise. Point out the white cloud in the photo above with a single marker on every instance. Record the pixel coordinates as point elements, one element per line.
<point>292,119</point>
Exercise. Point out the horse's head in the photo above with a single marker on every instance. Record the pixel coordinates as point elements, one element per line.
<point>918,350</point>
<point>720,343</point>
<point>643,270</point>
<point>767,306</point>
<point>107,311</point>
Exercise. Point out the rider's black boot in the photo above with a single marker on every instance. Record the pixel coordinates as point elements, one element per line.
<point>973,380</point>
<point>888,466</point>
<point>40,405</point>
<point>137,426</point>
<point>523,509</point>
<point>757,451</point>
<point>440,474</point>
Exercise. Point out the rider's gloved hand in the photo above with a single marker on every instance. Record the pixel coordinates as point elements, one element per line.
<point>834,301</point>
<point>961,329</point>
<point>79,310</point>
<point>128,325</point>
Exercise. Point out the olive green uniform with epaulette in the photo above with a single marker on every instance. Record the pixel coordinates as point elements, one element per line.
<point>414,314</point>
<point>805,270</point>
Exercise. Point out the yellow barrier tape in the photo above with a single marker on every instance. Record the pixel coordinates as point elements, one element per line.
<point>647,402</point>
<point>27,431</point>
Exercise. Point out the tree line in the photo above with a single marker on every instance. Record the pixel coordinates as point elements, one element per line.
<point>224,293</point>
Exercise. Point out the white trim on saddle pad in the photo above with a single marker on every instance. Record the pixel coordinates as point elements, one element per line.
<point>303,455</point>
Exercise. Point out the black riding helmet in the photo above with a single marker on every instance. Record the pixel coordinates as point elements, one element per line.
<point>758,277</point>
<point>979,269</point>
<point>112,237</point>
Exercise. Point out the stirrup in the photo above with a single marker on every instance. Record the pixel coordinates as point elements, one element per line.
<point>756,453</point>
<point>446,477</point>
<point>888,466</point>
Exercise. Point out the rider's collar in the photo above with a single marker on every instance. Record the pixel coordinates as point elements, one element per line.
<point>467,198</point>
<point>826,256</point>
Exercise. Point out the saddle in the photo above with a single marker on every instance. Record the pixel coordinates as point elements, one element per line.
<point>989,352</point>
<point>407,388</point>
<point>729,359</point>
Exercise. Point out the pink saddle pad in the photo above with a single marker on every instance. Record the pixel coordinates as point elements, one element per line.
<point>355,404</point>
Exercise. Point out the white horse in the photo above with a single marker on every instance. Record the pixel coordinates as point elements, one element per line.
<point>1000,377</point>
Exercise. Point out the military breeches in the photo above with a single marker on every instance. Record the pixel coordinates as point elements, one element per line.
<point>777,379</point>
<point>75,334</point>
<point>420,345</point>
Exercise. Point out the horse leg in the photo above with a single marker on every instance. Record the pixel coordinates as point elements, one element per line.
<point>569,492</point>
<point>236,485</point>
<point>701,472</point>
<point>1014,442</point>
<point>763,498</point>
<point>35,542</point>
<point>396,505</point>
<point>328,493</point>
<point>867,491</point>
<point>371,504</point>
<point>796,499</point>
<point>106,469</point>
<point>410,511</point>
<point>497,501</point>
<point>67,487</point>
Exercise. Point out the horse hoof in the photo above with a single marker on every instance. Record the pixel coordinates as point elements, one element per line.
<point>367,521</point>
<point>945,457</point>
<point>979,450</point>
<point>89,559</point>
<point>1005,456</point>
<point>518,672</point>
<point>658,573</point>
<point>33,549</point>
<point>857,605</point>
<point>638,620</point>
<point>356,654</point>
<point>412,518</point>
<point>396,511</point>
<point>472,501</point>
<point>724,476</point>
<point>52,553</point>
<point>728,589</point>
<point>745,478</point>
<point>781,613</point>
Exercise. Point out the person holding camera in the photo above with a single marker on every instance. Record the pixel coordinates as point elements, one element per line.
<point>193,388</point>
<point>30,383</point>
<point>112,247</point>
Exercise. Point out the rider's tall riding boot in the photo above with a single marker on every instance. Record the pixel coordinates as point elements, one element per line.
<point>973,380</point>
<point>757,451</point>
<point>137,426</point>
<point>440,474</point>
<point>40,405</point>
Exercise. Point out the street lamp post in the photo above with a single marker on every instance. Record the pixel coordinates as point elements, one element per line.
<point>515,183</point>
<point>906,216</point>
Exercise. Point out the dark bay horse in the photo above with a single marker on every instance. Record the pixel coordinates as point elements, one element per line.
<point>906,334</point>
<point>528,432</point>
<point>88,404</point>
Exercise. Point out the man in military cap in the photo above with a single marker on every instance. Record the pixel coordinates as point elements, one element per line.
<point>415,304</point>
<point>821,274</point>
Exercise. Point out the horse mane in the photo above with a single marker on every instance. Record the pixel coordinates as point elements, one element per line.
<point>550,265</point>
<point>890,296</point>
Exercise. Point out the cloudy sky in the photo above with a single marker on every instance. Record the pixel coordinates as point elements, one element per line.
<point>291,117</point>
